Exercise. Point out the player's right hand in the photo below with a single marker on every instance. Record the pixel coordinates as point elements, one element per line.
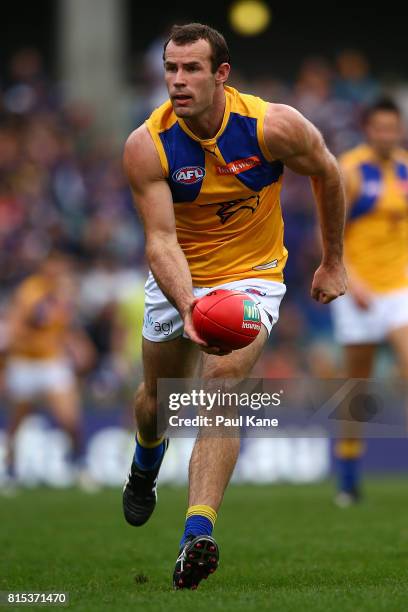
<point>194,337</point>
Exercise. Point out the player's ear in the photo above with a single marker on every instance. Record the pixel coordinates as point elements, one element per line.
<point>222,73</point>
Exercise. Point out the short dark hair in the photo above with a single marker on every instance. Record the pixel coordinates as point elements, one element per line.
<point>384,104</point>
<point>191,32</point>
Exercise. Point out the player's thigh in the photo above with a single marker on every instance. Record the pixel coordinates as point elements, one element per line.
<point>359,360</point>
<point>399,341</point>
<point>19,410</point>
<point>237,364</point>
<point>65,405</point>
<point>176,358</point>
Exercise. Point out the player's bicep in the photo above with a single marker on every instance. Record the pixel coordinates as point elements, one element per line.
<point>151,193</point>
<point>154,204</point>
<point>313,157</point>
<point>294,140</point>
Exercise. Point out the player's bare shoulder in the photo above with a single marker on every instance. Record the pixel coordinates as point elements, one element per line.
<point>287,132</point>
<point>141,161</point>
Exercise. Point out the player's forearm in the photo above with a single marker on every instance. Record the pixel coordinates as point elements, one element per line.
<point>329,194</point>
<point>170,269</point>
<point>15,325</point>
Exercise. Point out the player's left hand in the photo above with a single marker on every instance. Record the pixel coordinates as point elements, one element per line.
<point>329,282</point>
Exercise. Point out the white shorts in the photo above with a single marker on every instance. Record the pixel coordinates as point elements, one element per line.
<point>29,378</point>
<point>353,325</point>
<point>163,322</point>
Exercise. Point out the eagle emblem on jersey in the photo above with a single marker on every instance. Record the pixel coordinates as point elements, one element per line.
<point>227,209</point>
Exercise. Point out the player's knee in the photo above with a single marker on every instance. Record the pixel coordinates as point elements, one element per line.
<point>70,424</point>
<point>220,370</point>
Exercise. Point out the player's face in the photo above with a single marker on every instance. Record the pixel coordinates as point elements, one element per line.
<point>60,274</point>
<point>54,268</point>
<point>384,132</point>
<point>189,78</point>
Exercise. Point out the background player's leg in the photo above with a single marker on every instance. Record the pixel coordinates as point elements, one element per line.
<point>213,459</point>
<point>399,341</point>
<point>66,409</point>
<point>18,412</point>
<point>359,360</point>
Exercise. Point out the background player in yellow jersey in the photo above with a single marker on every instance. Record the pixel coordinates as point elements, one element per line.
<point>375,308</point>
<point>206,171</point>
<point>40,326</point>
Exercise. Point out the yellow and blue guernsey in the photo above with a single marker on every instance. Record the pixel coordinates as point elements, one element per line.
<point>225,191</point>
<point>42,333</point>
<point>376,237</point>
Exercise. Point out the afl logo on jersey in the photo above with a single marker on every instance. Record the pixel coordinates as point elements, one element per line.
<point>189,175</point>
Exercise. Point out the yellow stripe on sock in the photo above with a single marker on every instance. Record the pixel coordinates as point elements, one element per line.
<point>148,444</point>
<point>349,449</point>
<point>203,510</point>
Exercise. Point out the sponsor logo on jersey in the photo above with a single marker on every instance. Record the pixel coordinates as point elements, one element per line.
<point>189,175</point>
<point>403,184</point>
<point>238,166</point>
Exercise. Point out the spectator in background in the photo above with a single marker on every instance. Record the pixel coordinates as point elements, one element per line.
<point>112,305</point>
<point>354,82</point>
<point>153,65</point>
<point>313,95</point>
<point>28,90</point>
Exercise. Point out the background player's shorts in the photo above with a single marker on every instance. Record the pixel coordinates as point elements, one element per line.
<point>29,378</point>
<point>163,322</point>
<point>353,325</point>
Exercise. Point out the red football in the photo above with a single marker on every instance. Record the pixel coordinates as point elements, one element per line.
<point>227,319</point>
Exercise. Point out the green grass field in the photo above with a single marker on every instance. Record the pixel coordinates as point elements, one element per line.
<point>282,548</point>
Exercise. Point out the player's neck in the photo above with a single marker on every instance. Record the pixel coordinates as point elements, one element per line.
<point>382,157</point>
<point>207,124</point>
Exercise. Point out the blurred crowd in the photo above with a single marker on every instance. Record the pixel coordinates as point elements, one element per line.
<point>62,187</point>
